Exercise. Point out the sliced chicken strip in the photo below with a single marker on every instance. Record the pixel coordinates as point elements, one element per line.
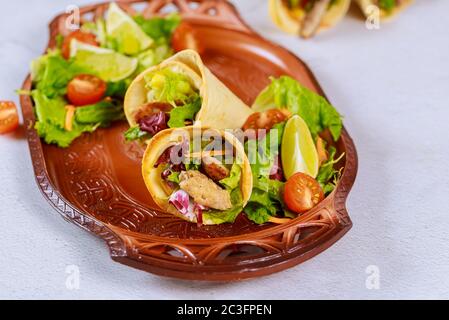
<point>151,108</point>
<point>204,191</point>
<point>313,18</point>
<point>214,168</point>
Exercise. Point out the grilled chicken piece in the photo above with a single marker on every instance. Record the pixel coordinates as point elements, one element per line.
<point>204,191</point>
<point>151,108</point>
<point>313,18</point>
<point>214,168</point>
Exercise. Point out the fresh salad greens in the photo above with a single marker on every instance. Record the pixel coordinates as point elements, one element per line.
<point>269,182</point>
<point>168,86</point>
<point>123,47</point>
<point>51,114</point>
<point>315,110</point>
<point>51,73</point>
<point>233,180</point>
<point>134,133</point>
<point>103,113</point>
<point>327,175</point>
<point>266,199</point>
<point>178,116</point>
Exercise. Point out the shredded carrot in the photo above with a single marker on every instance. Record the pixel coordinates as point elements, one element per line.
<point>279,220</point>
<point>323,155</point>
<point>68,125</point>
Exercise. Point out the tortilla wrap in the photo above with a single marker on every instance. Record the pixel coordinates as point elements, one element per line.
<point>366,5</point>
<point>220,108</point>
<point>170,137</point>
<point>291,20</point>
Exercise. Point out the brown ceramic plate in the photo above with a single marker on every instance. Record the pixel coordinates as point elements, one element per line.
<point>96,182</point>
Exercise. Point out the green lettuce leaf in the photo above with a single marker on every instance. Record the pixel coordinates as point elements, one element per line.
<point>261,153</point>
<point>179,115</point>
<point>258,213</point>
<point>174,177</point>
<point>102,113</point>
<point>171,87</point>
<point>117,89</point>
<point>328,176</point>
<point>50,114</point>
<point>233,181</point>
<point>134,133</point>
<point>317,112</point>
<point>51,73</point>
<point>159,29</point>
<point>265,200</point>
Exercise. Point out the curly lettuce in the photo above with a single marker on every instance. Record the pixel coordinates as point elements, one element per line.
<point>317,112</point>
<point>328,176</point>
<point>146,42</point>
<point>179,115</point>
<point>51,117</point>
<point>171,87</point>
<point>266,199</point>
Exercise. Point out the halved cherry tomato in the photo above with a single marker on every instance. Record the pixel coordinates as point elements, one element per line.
<point>79,35</point>
<point>266,119</point>
<point>302,193</point>
<point>9,119</point>
<point>85,89</point>
<point>185,37</point>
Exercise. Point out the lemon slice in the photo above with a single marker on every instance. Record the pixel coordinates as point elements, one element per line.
<point>298,151</point>
<point>131,39</point>
<point>105,63</point>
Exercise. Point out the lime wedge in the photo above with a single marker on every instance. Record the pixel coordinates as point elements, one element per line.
<point>298,151</point>
<point>130,38</point>
<point>101,31</point>
<point>105,63</point>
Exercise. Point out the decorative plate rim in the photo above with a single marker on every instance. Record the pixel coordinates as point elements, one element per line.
<point>117,238</point>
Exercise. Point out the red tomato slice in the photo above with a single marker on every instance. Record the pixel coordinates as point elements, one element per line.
<point>266,119</point>
<point>185,37</point>
<point>81,36</point>
<point>85,89</point>
<point>9,119</point>
<point>302,193</point>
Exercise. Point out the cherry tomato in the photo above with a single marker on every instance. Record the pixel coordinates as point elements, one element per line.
<point>85,89</point>
<point>9,119</point>
<point>266,119</point>
<point>81,36</point>
<point>185,37</point>
<point>302,192</point>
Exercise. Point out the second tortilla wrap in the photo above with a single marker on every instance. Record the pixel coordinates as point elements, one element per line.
<point>290,20</point>
<point>220,107</point>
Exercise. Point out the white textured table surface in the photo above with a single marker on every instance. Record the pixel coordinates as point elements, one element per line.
<point>392,86</point>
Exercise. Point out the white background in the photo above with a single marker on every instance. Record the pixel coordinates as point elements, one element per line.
<point>392,85</point>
